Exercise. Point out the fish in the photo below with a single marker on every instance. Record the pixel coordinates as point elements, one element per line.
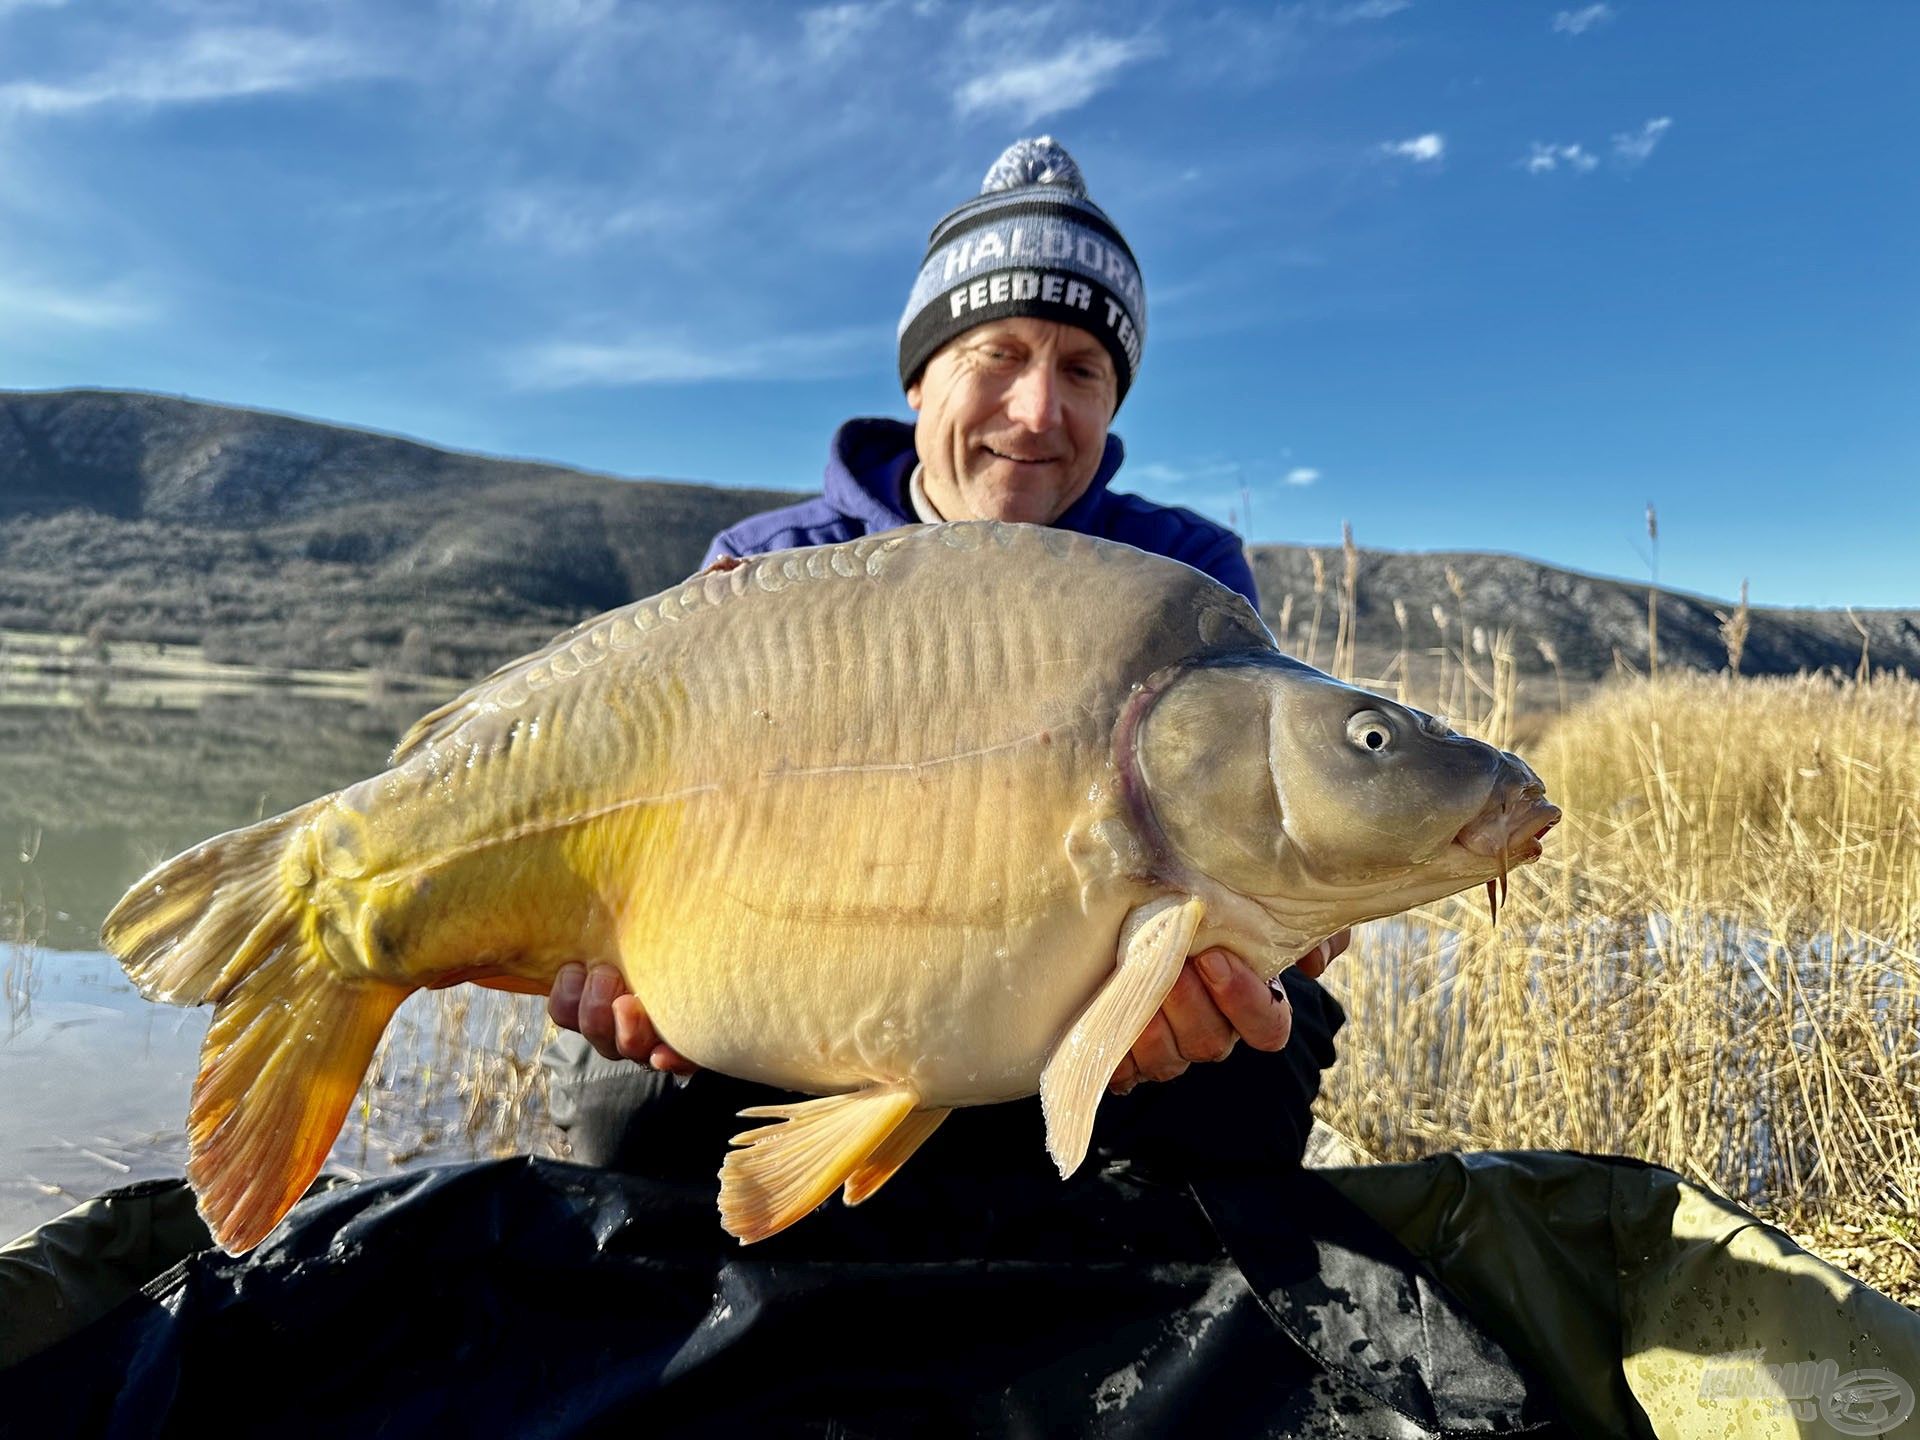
<point>926,819</point>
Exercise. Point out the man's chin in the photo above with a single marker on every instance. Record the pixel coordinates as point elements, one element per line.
<point>1018,494</point>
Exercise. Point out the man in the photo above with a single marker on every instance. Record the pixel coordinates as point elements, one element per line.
<point>1020,339</point>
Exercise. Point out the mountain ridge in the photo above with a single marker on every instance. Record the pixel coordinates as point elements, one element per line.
<point>274,539</point>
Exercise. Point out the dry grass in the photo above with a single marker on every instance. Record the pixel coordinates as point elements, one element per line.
<point>457,1076</point>
<point>1714,968</point>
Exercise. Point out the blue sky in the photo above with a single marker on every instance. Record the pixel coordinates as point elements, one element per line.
<point>1470,274</point>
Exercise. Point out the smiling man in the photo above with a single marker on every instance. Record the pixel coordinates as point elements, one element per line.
<point>1020,339</point>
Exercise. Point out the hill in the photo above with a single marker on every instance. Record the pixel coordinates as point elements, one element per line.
<point>274,540</point>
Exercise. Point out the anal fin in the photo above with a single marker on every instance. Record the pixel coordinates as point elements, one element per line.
<point>894,1151</point>
<point>781,1172</point>
<point>281,1063</point>
<point>1154,943</point>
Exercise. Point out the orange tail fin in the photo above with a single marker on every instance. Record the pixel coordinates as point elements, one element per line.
<point>292,1035</point>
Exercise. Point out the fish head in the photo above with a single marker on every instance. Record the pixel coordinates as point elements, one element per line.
<point>1321,804</point>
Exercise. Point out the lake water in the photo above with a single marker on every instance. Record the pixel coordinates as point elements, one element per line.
<point>94,1079</point>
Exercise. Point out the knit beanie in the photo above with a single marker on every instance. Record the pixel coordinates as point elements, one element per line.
<point>1031,243</point>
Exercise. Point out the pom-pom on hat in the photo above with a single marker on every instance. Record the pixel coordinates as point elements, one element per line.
<point>1031,243</point>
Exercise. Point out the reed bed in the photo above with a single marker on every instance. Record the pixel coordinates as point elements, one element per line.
<point>1714,968</point>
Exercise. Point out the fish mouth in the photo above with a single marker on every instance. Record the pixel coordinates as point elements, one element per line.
<point>1510,827</point>
<point>1508,831</point>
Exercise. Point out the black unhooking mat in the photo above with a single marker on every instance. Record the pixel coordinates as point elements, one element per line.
<point>534,1298</point>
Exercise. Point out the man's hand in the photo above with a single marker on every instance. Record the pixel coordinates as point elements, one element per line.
<point>597,1003</point>
<point>1216,1001</point>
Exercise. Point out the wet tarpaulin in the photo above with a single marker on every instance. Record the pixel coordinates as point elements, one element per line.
<point>1534,1294</point>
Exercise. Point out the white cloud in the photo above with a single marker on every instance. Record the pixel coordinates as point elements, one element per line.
<point>25,303</point>
<point>577,222</point>
<point>1578,22</point>
<point>1064,81</point>
<point>205,65</point>
<point>1552,157</point>
<point>1302,475</point>
<point>830,30</point>
<point>1633,147</point>
<point>1422,149</point>
<point>1203,472</point>
<point>1359,10</point>
<point>660,359</point>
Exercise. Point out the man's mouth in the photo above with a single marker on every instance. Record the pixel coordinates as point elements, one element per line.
<point>999,454</point>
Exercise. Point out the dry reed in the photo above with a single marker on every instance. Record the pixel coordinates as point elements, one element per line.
<point>1716,968</point>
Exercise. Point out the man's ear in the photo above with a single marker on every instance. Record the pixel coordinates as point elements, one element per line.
<point>913,397</point>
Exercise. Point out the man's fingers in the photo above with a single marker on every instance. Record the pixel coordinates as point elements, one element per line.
<point>638,1041</point>
<point>665,1057</point>
<point>1125,1077</point>
<point>563,1001</point>
<point>604,984</point>
<point>633,1033</point>
<point>1314,963</point>
<point>1156,1053</point>
<point>1261,1016</point>
<point>1200,1031</point>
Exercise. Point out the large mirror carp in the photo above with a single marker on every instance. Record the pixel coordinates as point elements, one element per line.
<point>926,819</point>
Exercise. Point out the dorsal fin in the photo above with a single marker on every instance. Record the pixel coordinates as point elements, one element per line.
<point>591,641</point>
<point>444,719</point>
<point>586,644</point>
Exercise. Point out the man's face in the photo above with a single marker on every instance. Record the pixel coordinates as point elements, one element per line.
<point>1013,420</point>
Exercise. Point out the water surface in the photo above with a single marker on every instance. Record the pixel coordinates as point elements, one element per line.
<point>95,1080</point>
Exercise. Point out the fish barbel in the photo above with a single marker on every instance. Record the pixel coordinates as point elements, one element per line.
<point>916,821</point>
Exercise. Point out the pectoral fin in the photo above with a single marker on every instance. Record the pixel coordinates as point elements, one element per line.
<point>781,1172</point>
<point>1153,946</point>
<point>894,1152</point>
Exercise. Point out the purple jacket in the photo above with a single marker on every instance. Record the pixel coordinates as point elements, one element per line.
<point>866,491</point>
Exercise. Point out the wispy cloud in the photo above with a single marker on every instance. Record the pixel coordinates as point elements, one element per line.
<point>1301,475</point>
<point>37,303</point>
<point>1357,11</point>
<point>1063,81</point>
<point>1578,22</point>
<point>1421,149</point>
<point>8,5</point>
<point>575,222</point>
<point>1632,147</point>
<point>830,31</point>
<point>660,359</point>
<point>203,65</point>
<point>1545,158</point>
<point>1199,472</point>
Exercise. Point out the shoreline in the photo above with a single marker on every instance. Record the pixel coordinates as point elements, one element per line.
<point>65,671</point>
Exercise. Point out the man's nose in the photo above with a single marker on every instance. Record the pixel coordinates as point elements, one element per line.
<point>1034,400</point>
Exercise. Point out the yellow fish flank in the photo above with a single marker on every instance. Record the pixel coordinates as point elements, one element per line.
<point>916,821</point>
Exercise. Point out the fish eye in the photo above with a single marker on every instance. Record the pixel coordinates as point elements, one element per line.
<point>1369,730</point>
